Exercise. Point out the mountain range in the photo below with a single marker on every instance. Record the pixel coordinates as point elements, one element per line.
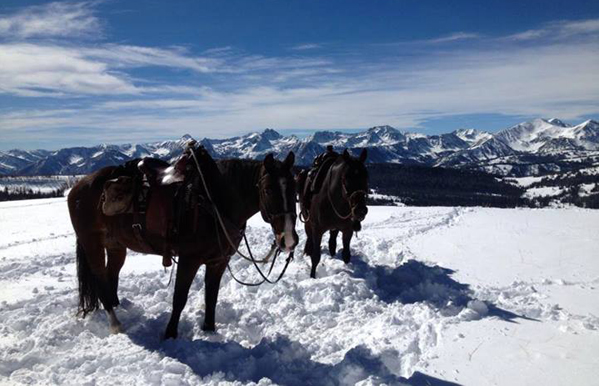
<point>538,147</point>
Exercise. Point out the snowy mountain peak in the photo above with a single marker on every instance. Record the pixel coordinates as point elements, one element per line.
<point>524,149</point>
<point>385,129</point>
<point>590,123</point>
<point>324,137</point>
<point>472,136</point>
<point>557,122</point>
<point>271,134</point>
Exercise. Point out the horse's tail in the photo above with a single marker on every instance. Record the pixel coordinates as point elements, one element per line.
<point>88,286</point>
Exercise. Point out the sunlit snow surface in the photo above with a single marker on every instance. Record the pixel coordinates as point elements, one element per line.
<point>433,296</point>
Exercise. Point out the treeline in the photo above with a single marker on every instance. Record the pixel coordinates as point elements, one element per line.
<point>572,192</point>
<point>23,193</point>
<point>430,186</point>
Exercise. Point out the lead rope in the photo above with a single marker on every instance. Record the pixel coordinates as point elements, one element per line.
<point>252,259</point>
<point>348,199</point>
<point>289,259</point>
<point>331,201</point>
<point>220,220</point>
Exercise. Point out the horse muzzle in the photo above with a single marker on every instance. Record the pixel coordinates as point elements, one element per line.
<point>287,241</point>
<point>359,214</point>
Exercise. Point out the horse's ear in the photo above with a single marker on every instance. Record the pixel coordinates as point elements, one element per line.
<point>363,155</point>
<point>289,160</point>
<point>346,155</point>
<point>269,162</point>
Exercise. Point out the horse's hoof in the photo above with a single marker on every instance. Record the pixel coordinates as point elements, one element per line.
<point>116,329</point>
<point>208,327</point>
<point>169,335</point>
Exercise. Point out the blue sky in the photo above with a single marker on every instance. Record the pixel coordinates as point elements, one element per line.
<point>82,73</point>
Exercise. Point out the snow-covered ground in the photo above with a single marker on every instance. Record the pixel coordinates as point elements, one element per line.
<point>37,184</point>
<point>433,296</point>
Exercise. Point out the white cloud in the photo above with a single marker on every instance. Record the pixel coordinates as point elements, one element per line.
<point>542,81</point>
<point>559,30</point>
<point>454,37</point>
<point>37,69</point>
<point>239,92</point>
<point>34,70</point>
<point>304,47</point>
<point>58,19</point>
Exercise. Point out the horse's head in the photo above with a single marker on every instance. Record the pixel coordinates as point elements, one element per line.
<point>354,183</point>
<point>277,199</point>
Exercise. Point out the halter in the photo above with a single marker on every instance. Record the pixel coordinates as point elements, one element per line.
<point>219,220</point>
<point>345,197</point>
<point>267,215</point>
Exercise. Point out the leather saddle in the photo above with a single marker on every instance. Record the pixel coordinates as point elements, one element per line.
<point>160,172</point>
<point>146,189</point>
<point>312,180</point>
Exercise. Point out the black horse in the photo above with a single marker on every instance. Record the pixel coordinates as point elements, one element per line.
<point>238,189</point>
<point>338,203</point>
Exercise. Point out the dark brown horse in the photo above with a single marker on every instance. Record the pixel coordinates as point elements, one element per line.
<point>339,204</point>
<point>238,188</point>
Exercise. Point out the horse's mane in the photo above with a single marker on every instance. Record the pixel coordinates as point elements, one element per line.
<point>239,172</point>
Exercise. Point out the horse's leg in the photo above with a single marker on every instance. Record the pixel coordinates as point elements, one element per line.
<point>333,242</point>
<point>186,271</point>
<point>347,235</point>
<point>93,275</point>
<point>315,255</point>
<point>308,246</point>
<point>214,273</point>
<point>116,259</point>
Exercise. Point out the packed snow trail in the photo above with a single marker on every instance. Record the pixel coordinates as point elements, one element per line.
<point>421,303</point>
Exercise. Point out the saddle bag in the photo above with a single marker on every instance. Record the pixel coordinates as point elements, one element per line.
<point>118,196</point>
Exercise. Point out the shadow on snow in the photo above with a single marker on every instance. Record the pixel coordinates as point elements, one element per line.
<point>286,362</point>
<point>414,282</point>
<point>281,360</point>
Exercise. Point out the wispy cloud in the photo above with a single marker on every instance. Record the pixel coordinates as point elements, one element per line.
<point>515,81</point>
<point>454,37</point>
<point>34,70</point>
<point>227,91</point>
<point>559,30</point>
<point>58,19</point>
<point>305,47</point>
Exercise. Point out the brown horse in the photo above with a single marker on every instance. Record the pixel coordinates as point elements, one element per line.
<point>238,188</point>
<point>339,204</point>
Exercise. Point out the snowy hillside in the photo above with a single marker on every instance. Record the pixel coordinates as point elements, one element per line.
<point>530,148</point>
<point>434,296</point>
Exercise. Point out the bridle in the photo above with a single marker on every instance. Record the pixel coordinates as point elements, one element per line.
<point>267,214</point>
<point>274,248</point>
<point>347,197</point>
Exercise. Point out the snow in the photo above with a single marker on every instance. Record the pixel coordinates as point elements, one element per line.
<point>475,296</point>
<point>38,184</point>
<point>75,159</point>
<point>543,191</point>
<point>586,189</point>
<point>524,181</point>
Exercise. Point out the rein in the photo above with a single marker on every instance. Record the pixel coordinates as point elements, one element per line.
<point>220,220</point>
<point>272,264</point>
<point>266,214</point>
<point>344,196</point>
<point>274,247</point>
